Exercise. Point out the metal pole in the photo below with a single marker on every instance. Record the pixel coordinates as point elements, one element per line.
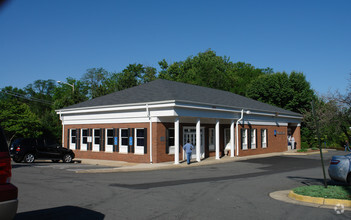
<point>319,143</point>
<point>72,85</point>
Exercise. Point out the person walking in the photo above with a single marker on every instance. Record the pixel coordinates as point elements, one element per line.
<point>347,146</point>
<point>188,147</point>
<point>291,142</point>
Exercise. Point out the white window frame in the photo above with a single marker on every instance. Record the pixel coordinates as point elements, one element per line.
<point>84,146</point>
<point>72,145</point>
<point>109,147</point>
<point>138,149</point>
<point>211,139</point>
<point>123,148</point>
<point>244,143</point>
<point>96,147</point>
<point>264,138</point>
<point>253,138</point>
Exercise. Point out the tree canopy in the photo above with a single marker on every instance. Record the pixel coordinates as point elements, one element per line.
<point>209,70</point>
<point>288,91</point>
<point>31,111</point>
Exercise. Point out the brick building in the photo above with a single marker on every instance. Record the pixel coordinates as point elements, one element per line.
<point>151,122</point>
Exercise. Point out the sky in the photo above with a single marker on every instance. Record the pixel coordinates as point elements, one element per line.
<point>57,39</point>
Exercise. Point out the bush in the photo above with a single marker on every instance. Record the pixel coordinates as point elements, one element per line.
<point>304,145</point>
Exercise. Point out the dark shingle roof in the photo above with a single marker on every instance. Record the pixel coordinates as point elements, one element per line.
<point>162,90</point>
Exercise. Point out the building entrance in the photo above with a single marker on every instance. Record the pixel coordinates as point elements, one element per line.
<point>189,133</point>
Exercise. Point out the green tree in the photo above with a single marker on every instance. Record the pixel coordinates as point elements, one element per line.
<point>149,74</point>
<point>344,101</point>
<point>17,120</point>
<point>129,77</point>
<point>40,96</point>
<point>243,74</point>
<point>291,92</point>
<point>65,96</point>
<point>328,120</point>
<point>209,70</point>
<point>41,102</point>
<point>94,79</point>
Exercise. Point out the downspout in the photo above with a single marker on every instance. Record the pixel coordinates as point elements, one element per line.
<point>150,122</point>
<point>63,131</point>
<point>237,132</point>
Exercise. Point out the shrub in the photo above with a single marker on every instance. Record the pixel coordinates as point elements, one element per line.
<point>304,144</point>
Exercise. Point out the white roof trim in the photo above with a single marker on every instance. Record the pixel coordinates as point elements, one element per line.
<point>173,103</point>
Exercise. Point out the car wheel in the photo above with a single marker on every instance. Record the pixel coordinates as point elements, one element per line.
<point>67,158</point>
<point>29,158</point>
<point>55,161</point>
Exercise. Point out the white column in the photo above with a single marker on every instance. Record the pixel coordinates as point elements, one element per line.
<point>237,138</point>
<point>63,136</point>
<point>232,139</point>
<point>198,140</point>
<point>176,141</point>
<point>150,121</point>
<point>217,139</point>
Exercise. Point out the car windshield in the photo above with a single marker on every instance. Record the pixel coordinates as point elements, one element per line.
<point>16,142</point>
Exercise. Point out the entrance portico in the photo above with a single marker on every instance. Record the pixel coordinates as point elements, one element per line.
<point>194,131</point>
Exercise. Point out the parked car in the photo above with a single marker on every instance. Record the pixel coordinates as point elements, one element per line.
<point>340,168</point>
<point>8,192</point>
<point>30,149</point>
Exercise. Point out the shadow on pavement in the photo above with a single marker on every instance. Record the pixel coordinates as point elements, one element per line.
<point>270,166</point>
<point>63,212</point>
<point>41,163</point>
<point>311,181</point>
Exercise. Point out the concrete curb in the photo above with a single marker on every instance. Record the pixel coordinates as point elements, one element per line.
<point>283,196</point>
<point>305,153</point>
<point>319,200</point>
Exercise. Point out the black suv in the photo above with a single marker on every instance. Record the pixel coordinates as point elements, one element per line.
<point>29,149</point>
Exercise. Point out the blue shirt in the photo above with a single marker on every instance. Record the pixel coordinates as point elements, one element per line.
<point>188,147</point>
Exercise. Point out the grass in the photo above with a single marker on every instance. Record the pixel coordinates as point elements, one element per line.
<point>305,149</point>
<point>332,192</point>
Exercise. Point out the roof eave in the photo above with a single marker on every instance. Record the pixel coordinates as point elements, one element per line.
<point>177,103</point>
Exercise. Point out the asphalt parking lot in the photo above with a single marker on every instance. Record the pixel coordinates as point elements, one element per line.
<point>229,190</point>
<point>70,167</point>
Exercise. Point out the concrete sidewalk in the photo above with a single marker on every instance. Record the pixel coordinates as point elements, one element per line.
<point>121,166</point>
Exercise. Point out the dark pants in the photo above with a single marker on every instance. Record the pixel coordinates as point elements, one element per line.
<point>188,157</point>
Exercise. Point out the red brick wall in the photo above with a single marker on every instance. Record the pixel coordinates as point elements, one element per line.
<point>276,143</point>
<point>130,157</point>
<point>161,143</point>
